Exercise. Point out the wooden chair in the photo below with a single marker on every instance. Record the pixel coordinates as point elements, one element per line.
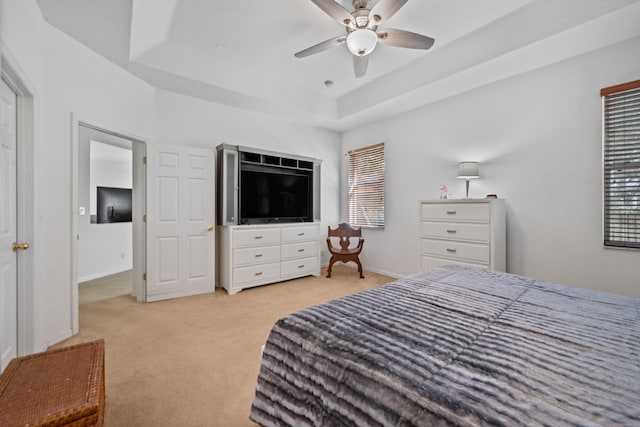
<point>344,253</point>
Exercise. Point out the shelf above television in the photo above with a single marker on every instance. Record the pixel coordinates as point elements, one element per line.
<point>272,160</point>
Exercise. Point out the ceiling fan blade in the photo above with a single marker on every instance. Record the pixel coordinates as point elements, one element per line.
<point>321,47</point>
<point>385,9</point>
<point>360,64</point>
<point>335,10</point>
<point>401,38</point>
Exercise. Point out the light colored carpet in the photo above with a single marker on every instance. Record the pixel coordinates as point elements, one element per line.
<point>193,361</point>
<point>105,287</point>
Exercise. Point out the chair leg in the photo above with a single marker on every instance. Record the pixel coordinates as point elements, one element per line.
<point>331,261</point>
<point>360,268</point>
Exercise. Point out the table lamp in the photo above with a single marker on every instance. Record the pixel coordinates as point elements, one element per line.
<point>468,171</point>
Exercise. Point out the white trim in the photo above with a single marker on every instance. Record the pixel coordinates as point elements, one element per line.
<point>353,266</point>
<point>139,150</point>
<point>28,306</point>
<point>77,120</point>
<point>95,276</point>
<point>383,272</point>
<point>67,333</point>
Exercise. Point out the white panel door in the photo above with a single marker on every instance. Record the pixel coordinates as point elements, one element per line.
<point>180,203</point>
<point>8,228</point>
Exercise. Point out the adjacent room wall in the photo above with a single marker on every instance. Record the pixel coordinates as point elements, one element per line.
<point>537,137</point>
<point>103,249</point>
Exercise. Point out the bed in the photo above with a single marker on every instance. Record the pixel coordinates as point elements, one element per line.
<point>455,346</point>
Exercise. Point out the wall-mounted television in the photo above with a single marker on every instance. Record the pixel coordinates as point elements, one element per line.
<point>113,204</point>
<point>270,194</point>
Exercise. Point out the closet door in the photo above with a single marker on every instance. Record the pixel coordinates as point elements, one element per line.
<point>8,227</point>
<point>180,218</point>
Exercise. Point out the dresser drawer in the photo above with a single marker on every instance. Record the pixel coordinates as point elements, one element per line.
<point>298,250</point>
<point>254,255</point>
<point>256,273</point>
<point>298,234</point>
<point>474,252</point>
<point>455,211</point>
<point>456,231</point>
<point>298,267</point>
<point>256,236</point>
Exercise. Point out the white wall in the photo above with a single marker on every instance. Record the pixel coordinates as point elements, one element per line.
<point>67,78</point>
<point>184,120</point>
<point>538,140</point>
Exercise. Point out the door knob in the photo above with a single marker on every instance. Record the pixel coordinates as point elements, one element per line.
<point>21,246</point>
<point>210,228</point>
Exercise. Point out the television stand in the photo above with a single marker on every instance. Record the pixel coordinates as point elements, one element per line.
<point>254,255</point>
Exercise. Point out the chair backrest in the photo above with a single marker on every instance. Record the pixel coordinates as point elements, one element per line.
<point>344,232</point>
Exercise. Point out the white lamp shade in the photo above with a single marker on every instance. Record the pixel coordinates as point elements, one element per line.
<point>468,170</point>
<point>362,42</point>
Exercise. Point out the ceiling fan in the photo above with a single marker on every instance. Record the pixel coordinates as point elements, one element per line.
<point>362,31</point>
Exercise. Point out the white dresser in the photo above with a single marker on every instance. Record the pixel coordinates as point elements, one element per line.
<point>253,255</point>
<point>470,232</point>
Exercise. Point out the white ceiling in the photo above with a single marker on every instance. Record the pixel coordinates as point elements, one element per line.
<point>240,52</point>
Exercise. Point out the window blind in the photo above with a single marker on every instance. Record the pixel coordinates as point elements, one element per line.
<point>621,165</point>
<point>366,186</point>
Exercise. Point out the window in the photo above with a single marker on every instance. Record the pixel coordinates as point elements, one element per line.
<point>621,165</point>
<point>366,186</point>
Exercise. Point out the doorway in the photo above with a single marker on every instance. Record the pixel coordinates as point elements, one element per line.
<point>105,182</point>
<point>108,247</point>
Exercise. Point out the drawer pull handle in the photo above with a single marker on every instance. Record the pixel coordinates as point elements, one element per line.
<point>258,255</point>
<point>452,231</point>
<point>451,212</point>
<point>301,266</point>
<point>301,234</point>
<point>258,237</point>
<point>301,250</point>
<point>451,250</point>
<point>259,273</point>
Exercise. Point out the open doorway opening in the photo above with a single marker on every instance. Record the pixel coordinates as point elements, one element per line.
<point>108,226</point>
<point>105,228</point>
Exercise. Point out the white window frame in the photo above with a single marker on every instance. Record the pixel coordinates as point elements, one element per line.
<point>366,198</point>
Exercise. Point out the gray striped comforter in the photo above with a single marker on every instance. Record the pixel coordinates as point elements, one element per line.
<point>455,346</point>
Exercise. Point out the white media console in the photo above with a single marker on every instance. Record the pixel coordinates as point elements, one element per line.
<point>258,251</point>
<point>253,255</point>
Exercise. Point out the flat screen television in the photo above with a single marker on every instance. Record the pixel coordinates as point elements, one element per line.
<point>273,195</point>
<point>113,205</point>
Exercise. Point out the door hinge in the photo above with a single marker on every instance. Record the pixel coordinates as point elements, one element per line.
<point>144,276</point>
<point>144,160</point>
<point>144,218</point>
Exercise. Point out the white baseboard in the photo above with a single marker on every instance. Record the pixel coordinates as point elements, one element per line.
<point>384,273</point>
<point>63,335</point>
<point>366,268</point>
<point>99,275</point>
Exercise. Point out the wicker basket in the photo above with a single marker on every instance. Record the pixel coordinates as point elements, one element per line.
<point>61,387</point>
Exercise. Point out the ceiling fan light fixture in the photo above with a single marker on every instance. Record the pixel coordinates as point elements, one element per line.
<point>362,42</point>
